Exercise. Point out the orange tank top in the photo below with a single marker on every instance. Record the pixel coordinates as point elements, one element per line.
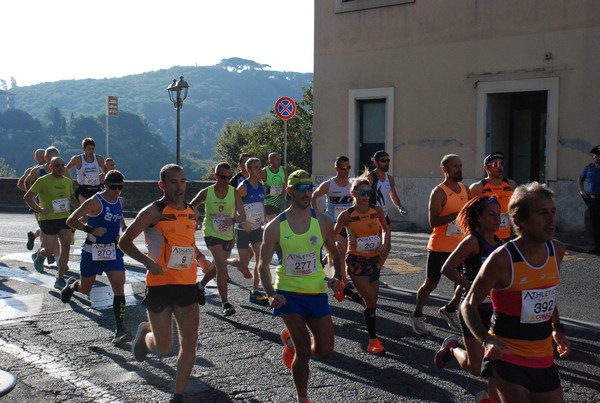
<point>171,243</point>
<point>502,192</point>
<point>363,230</point>
<point>445,238</point>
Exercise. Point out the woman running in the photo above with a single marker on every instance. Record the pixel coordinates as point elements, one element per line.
<point>366,249</point>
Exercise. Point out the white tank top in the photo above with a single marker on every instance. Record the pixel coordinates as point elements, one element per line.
<point>89,174</point>
<point>383,194</point>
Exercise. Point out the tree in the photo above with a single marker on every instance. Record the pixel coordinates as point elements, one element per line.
<point>5,170</point>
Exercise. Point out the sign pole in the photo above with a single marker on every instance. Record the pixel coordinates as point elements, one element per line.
<point>285,144</point>
<point>106,155</point>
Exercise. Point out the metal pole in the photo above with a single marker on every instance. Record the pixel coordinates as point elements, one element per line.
<point>179,102</point>
<point>285,144</point>
<point>106,155</point>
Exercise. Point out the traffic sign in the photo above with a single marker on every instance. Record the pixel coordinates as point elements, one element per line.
<point>112,105</point>
<point>285,108</point>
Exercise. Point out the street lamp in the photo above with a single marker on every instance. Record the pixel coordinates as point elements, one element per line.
<point>178,91</point>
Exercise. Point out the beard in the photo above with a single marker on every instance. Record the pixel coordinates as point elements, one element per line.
<point>457,177</point>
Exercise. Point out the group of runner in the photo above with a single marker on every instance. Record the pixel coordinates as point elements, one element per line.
<point>470,227</point>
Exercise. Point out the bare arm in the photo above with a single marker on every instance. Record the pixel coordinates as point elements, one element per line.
<point>386,244</point>
<point>437,200</point>
<point>393,195</point>
<point>21,182</point>
<point>318,193</point>
<point>30,200</point>
<point>91,206</point>
<point>145,218</point>
<point>200,198</point>
<point>475,189</point>
<point>329,241</point>
<point>468,247</point>
<point>33,175</point>
<point>267,249</point>
<point>240,212</point>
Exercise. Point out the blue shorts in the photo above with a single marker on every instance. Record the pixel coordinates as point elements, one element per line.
<point>305,305</point>
<point>89,268</point>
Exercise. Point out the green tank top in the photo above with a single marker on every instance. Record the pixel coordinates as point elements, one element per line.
<point>300,269</point>
<point>216,211</point>
<point>276,187</point>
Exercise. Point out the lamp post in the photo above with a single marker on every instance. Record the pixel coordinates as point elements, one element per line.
<point>178,91</point>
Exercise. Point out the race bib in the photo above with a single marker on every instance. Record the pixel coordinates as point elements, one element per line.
<point>221,224</point>
<point>103,251</point>
<point>276,190</point>
<point>302,264</point>
<point>60,205</point>
<point>538,305</point>
<point>453,230</point>
<point>91,181</point>
<point>181,257</point>
<point>504,221</point>
<point>368,244</point>
<point>254,214</point>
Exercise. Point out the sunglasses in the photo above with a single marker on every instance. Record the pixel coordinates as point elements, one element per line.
<point>496,164</point>
<point>114,187</point>
<point>345,168</point>
<point>224,176</point>
<point>304,186</point>
<point>384,160</point>
<point>365,192</point>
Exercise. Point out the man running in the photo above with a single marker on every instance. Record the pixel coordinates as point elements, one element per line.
<point>249,234</point>
<point>38,157</point>
<point>169,225</point>
<point>103,217</point>
<point>522,278</point>
<point>90,167</point>
<point>274,178</point>
<point>55,193</point>
<point>495,184</point>
<point>243,174</point>
<point>299,295</point>
<point>445,202</point>
<point>223,208</point>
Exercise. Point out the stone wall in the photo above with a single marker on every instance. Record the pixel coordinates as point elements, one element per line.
<point>137,194</point>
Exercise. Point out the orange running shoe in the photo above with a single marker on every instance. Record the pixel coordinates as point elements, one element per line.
<point>375,347</point>
<point>288,352</point>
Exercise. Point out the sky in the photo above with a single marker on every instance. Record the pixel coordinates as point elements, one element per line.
<point>46,41</point>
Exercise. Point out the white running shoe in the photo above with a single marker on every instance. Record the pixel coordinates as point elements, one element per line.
<point>450,318</point>
<point>418,324</point>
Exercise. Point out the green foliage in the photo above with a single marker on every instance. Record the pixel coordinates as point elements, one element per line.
<point>265,135</point>
<point>5,170</point>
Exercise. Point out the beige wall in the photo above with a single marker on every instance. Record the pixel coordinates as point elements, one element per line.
<point>435,55</point>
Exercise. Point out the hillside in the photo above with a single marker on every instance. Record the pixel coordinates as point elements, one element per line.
<point>234,89</point>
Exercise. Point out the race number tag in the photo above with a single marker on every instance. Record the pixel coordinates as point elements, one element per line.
<point>221,224</point>
<point>276,190</point>
<point>91,181</point>
<point>254,214</point>
<point>60,205</point>
<point>368,243</point>
<point>301,264</point>
<point>538,305</point>
<point>504,221</point>
<point>102,252</point>
<point>453,230</point>
<point>181,257</point>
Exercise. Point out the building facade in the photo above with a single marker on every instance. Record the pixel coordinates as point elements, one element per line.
<point>425,78</point>
<point>7,100</point>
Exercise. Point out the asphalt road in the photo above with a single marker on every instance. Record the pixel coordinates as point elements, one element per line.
<point>62,352</point>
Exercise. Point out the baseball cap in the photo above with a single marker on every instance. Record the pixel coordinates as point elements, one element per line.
<point>595,150</point>
<point>493,156</point>
<point>296,178</point>
<point>379,154</point>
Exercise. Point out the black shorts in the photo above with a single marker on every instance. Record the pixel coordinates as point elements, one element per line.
<point>271,210</point>
<point>53,227</point>
<point>158,298</point>
<point>344,233</point>
<point>87,191</point>
<point>214,241</point>
<point>485,314</point>
<point>435,261</point>
<point>536,380</point>
<point>243,239</point>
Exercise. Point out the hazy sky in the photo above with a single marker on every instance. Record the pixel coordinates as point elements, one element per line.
<point>51,40</point>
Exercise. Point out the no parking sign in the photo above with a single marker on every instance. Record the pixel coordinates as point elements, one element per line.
<point>285,108</point>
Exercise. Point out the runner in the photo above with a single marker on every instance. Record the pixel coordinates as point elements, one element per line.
<point>494,184</point>
<point>223,208</point>
<point>249,234</point>
<point>445,202</point>
<point>367,249</point>
<point>299,295</point>
<point>55,192</point>
<point>38,157</point>
<point>90,167</point>
<point>522,277</point>
<point>274,179</point>
<point>103,215</point>
<point>243,174</point>
<point>169,225</point>
<point>479,219</point>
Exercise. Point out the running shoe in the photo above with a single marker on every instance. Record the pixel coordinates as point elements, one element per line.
<point>350,293</point>
<point>51,259</point>
<point>245,272</point>
<point>288,352</point>
<point>383,284</point>
<point>443,355</point>
<point>38,262</point>
<point>139,349</point>
<point>375,347</point>
<point>67,292</point>
<point>418,324</point>
<point>30,240</point>
<point>121,336</point>
<point>60,283</point>
<point>201,295</point>
<point>451,318</point>
<point>257,297</point>
<point>228,309</point>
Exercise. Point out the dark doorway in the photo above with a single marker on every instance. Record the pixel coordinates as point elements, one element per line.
<point>371,131</point>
